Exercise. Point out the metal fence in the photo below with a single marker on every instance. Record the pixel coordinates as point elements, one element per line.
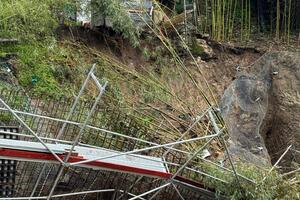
<point>80,123</point>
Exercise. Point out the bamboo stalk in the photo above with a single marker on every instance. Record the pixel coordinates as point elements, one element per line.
<point>213,23</point>
<point>249,20</point>
<point>289,22</point>
<point>285,20</point>
<point>233,19</point>
<point>206,16</point>
<point>278,20</point>
<point>242,21</point>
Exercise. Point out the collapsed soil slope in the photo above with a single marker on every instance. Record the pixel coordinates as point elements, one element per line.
<point>280,126</point>
<point>282,123</point>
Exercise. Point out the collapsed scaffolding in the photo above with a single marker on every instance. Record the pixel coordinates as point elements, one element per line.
<point>85,164</point>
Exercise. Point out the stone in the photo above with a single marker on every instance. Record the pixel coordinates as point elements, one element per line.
<point>207,50</point>
<point>201,49</point>
<point>243,117</point>
<point>262,110</point>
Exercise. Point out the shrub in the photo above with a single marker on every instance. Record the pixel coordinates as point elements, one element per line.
<point>119,17</point>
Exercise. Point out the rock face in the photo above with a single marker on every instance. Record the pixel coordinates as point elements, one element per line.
<point>243,107</point>
<point>261,109</point>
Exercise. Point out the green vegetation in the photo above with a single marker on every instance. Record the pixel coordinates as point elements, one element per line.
<point>29,20</point>
<point>119,17</point>
<point>155,97</point>
<point>269,186</point>
<point>15,101</point>
<point>34,25</point>
<point>44,67</point>
<point>230,19</point>
<point>196,49</point>
<point>5,117</point>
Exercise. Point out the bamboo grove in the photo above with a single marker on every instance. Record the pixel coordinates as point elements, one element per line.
<point>231,19</point>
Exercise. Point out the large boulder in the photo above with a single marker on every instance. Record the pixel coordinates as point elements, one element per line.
<point>261,109</point>
<point>243,107</point>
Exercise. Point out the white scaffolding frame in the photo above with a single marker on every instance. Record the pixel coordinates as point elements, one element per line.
<point>168,147</point>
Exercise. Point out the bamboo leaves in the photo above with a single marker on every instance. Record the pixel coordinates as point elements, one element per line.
<point>118,16</point>
<point>29,20</point>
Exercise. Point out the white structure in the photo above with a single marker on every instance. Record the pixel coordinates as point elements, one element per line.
<point>139,11</point>
<point>52,166</point>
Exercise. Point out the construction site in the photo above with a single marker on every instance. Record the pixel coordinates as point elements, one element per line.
<point>115,100</point>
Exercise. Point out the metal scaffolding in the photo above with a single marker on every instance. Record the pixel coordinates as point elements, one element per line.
<point>64,158</point>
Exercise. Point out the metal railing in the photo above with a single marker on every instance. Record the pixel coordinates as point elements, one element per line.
<point>77,128</point>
